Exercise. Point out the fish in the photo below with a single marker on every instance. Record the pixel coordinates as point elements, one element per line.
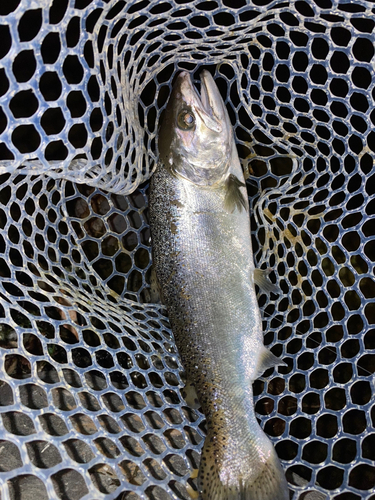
<point>204,267</point>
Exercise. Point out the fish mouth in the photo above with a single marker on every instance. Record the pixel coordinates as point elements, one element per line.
<point>208,104</point>
<point>210,96</point>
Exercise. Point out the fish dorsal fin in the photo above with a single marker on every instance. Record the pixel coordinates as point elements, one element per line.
<point>261,278</point>
<point>267,360</point>
<point>233,197</point>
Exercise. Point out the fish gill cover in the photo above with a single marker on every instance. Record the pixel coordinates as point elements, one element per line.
<point>90,379</point>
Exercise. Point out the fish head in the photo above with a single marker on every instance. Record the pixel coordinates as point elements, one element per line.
<point>195,137</point>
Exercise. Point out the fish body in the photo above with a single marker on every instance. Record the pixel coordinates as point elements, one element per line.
<point>200,228</point>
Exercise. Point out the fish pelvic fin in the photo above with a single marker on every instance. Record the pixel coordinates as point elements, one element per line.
<point>261,278</point>
<point>261,482</point>
<point>233,196</point>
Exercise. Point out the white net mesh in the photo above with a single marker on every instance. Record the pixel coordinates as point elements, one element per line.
<point>90,399</point>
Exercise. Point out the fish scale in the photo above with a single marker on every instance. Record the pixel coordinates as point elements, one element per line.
<point>204,264</point>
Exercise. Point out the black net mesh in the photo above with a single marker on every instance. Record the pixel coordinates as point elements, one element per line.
<point>90,400</point>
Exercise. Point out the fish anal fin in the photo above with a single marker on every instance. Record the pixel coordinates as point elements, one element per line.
<point>233,196</point>
<point>261,278</point>
<point>267,360</point>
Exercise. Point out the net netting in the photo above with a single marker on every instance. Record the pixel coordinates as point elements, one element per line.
<point>90,378</point>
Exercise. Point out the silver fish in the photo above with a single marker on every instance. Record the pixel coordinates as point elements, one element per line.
<point>200,228</point>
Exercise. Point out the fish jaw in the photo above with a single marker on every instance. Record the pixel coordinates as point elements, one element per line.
<point>205,104</point>
<point>201,154</point>
<point>211,99</point>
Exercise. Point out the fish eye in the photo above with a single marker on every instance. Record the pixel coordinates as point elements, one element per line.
<point>186,120</point>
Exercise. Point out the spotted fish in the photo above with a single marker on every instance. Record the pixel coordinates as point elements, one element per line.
<point>199,216</point>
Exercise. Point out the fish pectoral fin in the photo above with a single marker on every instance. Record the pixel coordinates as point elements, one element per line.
<point>233,196</point>
<point>190,396</point>
<point>267,360</point>
<point>261,278</point>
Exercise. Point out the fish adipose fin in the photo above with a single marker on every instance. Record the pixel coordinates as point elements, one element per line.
<point>266,481</point>
<point>190,396</point>
<point>156,295</point>
<point>233,197</point>
<point>267,360</point>
<point>261,278</point>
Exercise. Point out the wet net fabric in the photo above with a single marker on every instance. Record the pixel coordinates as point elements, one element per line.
<point>90,400</point>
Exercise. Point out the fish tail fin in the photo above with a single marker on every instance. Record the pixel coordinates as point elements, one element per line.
<point>239,479</point>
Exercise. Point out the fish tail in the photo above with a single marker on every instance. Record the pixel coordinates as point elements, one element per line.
<point>233,479</point>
